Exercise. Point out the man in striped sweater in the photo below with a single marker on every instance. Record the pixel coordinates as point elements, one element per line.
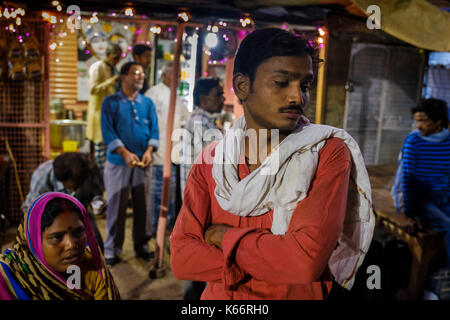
<point>425,173</point>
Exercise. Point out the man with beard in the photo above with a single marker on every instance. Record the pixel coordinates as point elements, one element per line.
<point>280,207</point>
<point>130,131</point>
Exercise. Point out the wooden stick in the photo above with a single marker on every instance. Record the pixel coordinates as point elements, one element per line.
<point>167,169</point>
<point>16,173</point>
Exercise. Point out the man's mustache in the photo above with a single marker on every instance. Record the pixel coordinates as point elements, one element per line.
<point>296,108</point>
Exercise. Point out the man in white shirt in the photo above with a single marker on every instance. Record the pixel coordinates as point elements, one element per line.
<point>160,95</point>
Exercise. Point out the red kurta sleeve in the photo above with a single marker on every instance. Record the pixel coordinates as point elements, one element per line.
<point>192,258</point>
<point>301,255</point>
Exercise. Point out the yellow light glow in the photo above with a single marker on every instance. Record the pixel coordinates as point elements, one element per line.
<point>129,12</point>
<point>52,19</point>
<point>55,3</point>
<point>53,46</point>
<point>215,29</point>
<point>18,21</point>
<point>156,29</point>
<point>184,16</point>
<point>320,40</point>
<point>45,15</point>
<point>59,8</point>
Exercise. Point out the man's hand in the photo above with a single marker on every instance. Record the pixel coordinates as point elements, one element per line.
<point>147,157</point>
<point>215,233</point>
<point>130,158</point>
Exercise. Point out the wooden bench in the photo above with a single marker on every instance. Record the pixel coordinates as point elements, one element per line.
<point>424,245</point>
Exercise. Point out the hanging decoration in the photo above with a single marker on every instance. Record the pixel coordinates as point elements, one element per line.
<point>12,12</point>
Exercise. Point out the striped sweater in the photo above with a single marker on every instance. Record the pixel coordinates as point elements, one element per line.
<point>426,169</point>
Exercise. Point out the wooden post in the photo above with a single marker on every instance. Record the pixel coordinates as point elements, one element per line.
<point>321,82</point>
<point>167,169</point>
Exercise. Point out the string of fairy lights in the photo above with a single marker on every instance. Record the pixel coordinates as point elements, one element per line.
<point>13,14</point>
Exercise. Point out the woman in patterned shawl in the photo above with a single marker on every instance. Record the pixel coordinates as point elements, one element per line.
<point>50,259</point>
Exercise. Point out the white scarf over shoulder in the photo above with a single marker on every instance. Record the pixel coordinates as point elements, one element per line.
<point>283,180</point>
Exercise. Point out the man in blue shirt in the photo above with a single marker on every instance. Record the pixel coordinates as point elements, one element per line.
<point>424,173</point>
<point>130,132</point>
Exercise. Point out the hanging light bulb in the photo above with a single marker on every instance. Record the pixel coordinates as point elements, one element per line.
<point>211,40</point>
<point>156,29</point>
<point>184,16</point>
<point>129,12</point>
<point>321,32</point>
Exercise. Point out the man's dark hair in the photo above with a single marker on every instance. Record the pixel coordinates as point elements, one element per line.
<point>202,88</point>
<point>55,207</point>
<point>71,166</point>
<point>263,44</point>
<point>113,48</point>
<point>127,66</point>
<point>435,109</point>
<point>139,49</point>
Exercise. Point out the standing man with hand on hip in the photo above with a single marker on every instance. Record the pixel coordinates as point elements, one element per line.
<point>102,81</point>
<point>279,208</point>
<point>130,130</point>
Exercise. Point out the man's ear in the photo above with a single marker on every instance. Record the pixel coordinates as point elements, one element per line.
<point>241,86</point>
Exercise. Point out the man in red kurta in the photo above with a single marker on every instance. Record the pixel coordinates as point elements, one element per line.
<point>279,219</point>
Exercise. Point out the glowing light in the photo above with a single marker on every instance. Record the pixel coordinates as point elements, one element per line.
<point>52,19</point>
<point>321,32</point>
<point>87,52</point>
<point>55,3</point>
<point>59,8</point>
<point>45,15</point>
<point>129,12</point>
<point>245,21</point>
<point>156,29</point>
<point>215,29</point>
<point>184,16</point>
<point>60,44</point>
<point>57,59</point>
<point>320,40</point>
<point>53,46</point>
<point>211,40</point>
<point>18,21</point>
<point>93,19</point>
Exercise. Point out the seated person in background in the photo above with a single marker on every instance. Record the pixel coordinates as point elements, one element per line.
<point>72,173</point>
<point>52,237</point>
<point>422,186</point>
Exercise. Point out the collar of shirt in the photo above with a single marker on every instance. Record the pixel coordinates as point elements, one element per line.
<point>200,111</point>
<point>124,98</point>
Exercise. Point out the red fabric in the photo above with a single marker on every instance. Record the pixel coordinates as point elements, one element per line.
<point>253,262</point>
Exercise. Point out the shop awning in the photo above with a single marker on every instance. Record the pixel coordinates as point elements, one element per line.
<point>417,22</point>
